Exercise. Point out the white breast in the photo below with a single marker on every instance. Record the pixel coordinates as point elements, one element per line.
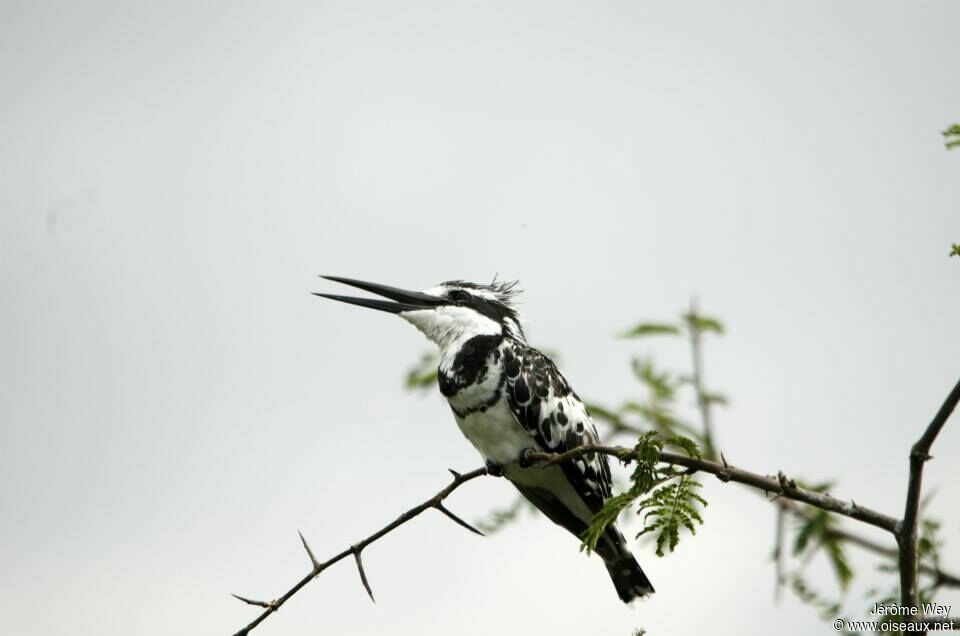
<point>496,434</point>
<point>500,439</point>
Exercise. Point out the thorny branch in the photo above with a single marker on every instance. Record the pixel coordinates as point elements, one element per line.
<point>906,533</point>
<point>780,487</point>
<point>941,577</point>
<point>316,567</point>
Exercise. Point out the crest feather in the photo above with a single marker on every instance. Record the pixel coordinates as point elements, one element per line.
<point>506,290</point>
<point>503,293</point>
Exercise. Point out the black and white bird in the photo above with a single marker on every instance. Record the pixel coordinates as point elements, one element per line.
<point>507,399</point>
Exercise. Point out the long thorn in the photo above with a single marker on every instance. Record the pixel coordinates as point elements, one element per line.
<point>313,559</point>
<point>250,601</point>
<point>363,575</point>
<point>457,520</point>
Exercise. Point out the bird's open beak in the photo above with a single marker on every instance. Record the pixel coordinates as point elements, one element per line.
<point>404,300</point>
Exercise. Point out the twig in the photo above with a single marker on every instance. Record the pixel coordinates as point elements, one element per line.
<point>316,568</point>
<point>906,533</point>
<point>779,485</point>
<point>703,401</point>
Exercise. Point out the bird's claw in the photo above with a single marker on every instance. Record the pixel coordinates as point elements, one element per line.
<point>524,459</point>
<point>494,470</point>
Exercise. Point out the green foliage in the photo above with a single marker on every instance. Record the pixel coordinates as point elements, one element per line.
<point>814,526</point>
<point>696,321</point>
<point>951,137</point>
<point>692,321</point>
<point>653,413</point>
<point>666,498</point>
<point>668,508</point>
<point>604,414</point>
<point>658,411</point>
<point>838,559</point>
<point>929,543</point>
<point>660,383</point>
<point>651,329</point>
<point>955,249</point>
<point>928,546</point>
<point>715,398</point>
<point>828,609</point>
<point>423,375</point>
<point>685,444</point>
<point>501,517</point>
<point>815,533</point>
<point>663,388</point>
<point>607,515</point>
<point>819,537</point>
<point>647,457</point>
<point>820,486</point>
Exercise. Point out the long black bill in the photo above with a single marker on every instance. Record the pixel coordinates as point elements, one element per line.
<point>404,300</point>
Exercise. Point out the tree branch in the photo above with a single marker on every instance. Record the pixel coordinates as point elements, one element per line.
<point>941,576</point>
<point>906,533</point>
<point>779,486</point>
<point>316,568</point>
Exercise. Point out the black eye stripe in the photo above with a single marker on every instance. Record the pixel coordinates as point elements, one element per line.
<point>492,301</point>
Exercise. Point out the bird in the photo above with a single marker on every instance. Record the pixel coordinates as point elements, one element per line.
<point>509,400</point>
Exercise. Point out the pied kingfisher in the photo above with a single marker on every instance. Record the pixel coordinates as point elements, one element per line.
<point>507,399</point>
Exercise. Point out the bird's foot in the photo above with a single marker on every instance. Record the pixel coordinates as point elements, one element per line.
<point>494,470</point>
<point>524,458</point>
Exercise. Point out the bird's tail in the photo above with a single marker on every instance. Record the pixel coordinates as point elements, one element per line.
<point>625,572</point>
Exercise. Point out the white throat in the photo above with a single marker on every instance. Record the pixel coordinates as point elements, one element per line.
<point>451,326</point>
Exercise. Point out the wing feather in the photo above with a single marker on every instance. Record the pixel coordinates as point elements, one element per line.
<point>555,417</point>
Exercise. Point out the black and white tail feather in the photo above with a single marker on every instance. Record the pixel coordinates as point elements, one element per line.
<point>508,398</point>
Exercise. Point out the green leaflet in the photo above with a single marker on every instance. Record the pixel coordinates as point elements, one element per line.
<point>423,375</point>
<point>667,499</point>
<point>951,137</point>
<point>668,509</point>
<point>651,329</point>
<point>699,322</point>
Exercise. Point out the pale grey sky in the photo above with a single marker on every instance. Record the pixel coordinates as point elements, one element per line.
<point>174,405</point>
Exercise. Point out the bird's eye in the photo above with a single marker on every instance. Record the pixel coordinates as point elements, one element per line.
<point>458,295</point>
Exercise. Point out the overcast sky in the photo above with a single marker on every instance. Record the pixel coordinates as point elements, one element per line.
<point>174,405</point>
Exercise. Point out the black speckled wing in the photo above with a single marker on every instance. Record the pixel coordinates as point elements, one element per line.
<point>553,415</point>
